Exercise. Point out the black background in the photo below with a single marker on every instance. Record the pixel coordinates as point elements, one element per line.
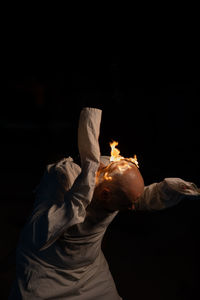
<point>149,94</point>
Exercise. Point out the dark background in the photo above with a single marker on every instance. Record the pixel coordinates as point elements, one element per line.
<point>150,96</point>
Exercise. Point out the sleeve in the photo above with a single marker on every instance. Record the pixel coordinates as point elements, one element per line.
<point>167,193</point>
<point>48,224</point>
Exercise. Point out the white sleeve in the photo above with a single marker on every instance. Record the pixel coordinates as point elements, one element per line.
<point>45,226</point>
<point>167,193</point>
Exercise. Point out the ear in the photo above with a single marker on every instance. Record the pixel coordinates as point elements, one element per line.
<point>105,194</point>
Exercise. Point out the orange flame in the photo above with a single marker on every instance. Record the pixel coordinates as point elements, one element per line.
<point>115,152</point>
<point>116,157</point>
<point>122,167</point>
<point>107,177</point>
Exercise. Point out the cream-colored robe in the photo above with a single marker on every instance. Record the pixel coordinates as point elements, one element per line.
<point>59,254</point>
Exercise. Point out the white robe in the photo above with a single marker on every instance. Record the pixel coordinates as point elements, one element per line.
<point>59,254</point>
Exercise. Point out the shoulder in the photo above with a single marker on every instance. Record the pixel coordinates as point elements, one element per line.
<point>105,160</point>
<point>57,179</point>
<point>65,169</point>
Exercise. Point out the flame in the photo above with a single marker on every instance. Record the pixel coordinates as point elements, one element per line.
<point>115,152</point>
<point>107,177</point>
<point>116,157</point>
<point>108,172</point>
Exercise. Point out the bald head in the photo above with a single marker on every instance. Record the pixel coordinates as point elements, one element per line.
<point>119,185</point>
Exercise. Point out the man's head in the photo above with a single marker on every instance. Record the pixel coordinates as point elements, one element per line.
<point>119,185</point>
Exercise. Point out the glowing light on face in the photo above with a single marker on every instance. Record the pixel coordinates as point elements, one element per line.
<point>123,167</point>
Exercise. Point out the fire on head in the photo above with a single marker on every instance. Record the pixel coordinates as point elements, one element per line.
<point>120,184</point>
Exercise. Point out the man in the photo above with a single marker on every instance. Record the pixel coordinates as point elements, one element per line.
<point>59,254</point>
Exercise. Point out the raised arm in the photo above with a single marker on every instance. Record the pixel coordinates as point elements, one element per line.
<point>47,223</point>
<point>167,193</point>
